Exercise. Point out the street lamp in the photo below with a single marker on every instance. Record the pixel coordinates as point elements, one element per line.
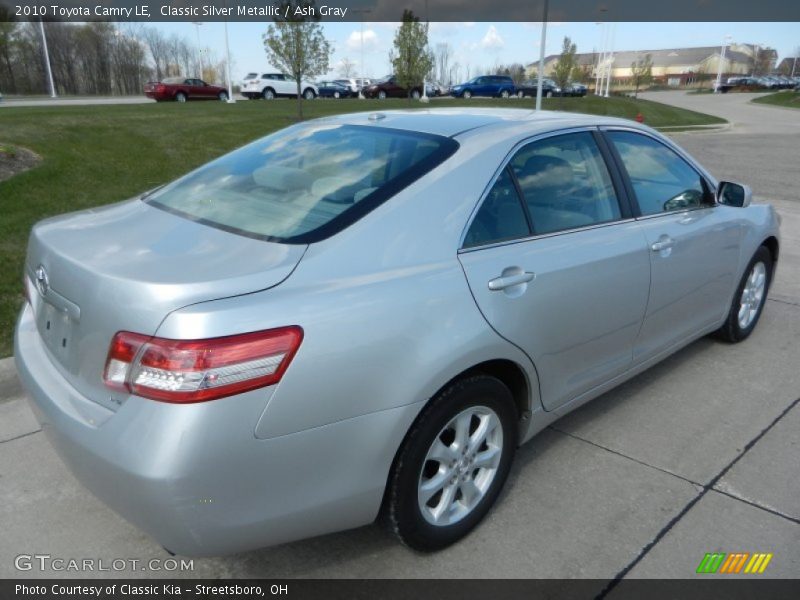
<point>199,50</point>
<point>721,64</point>
<point>362,12</point>
<point>424,97</point>
<point>47,61</point>
<point>610,58</point>
<point>231,99</point>
<point>601,56</point>
<point>541,59</point>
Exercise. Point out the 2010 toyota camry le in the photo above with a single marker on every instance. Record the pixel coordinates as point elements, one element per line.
<point>364,315</point>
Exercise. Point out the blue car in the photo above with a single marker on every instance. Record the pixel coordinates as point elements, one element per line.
<point>486,85</point>
<point>334,89</point>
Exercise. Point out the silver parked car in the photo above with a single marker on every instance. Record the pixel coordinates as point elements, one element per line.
<point>365,315</point>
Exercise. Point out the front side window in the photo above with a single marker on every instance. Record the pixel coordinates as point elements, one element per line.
<point>304,183</point>
<point>662,181</point>
<point>565,183</point>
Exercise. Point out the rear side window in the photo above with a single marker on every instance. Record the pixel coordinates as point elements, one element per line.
<point>304,183</point>
<point>661,180</point>
<point>500,217</point>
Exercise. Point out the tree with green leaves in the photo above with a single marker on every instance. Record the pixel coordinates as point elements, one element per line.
<point>642,73</point>
<point>567,63</point>
<point>411,59</point>
<point>295,43</point>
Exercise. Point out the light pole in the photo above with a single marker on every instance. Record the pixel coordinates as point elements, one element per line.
<point>540,75</point>
<point>610,58</point>
<point>721,64</point>
<point>362,12</point>
<point>47,61</point>
<point>600,57</point>
<point>424,97</point>
<point>199,50</point>
<point>231,99</point>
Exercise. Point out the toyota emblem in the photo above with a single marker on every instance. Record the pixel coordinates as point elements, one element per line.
<point>42,282</point>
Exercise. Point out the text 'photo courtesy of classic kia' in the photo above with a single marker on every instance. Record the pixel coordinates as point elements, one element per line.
<point>361,317</point>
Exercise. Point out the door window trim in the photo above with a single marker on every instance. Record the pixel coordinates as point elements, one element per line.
<point>625,203</point>
<point>707,179</point>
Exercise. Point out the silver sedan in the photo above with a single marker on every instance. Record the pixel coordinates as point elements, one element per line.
<point>365,315</point>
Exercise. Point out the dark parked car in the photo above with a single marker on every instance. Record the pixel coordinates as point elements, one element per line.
<point>574,89</point>
<point>389,88</point>
<point>334,89</point>
<point>528,88</point>
<point>182,89</point>
<point>485,85</point>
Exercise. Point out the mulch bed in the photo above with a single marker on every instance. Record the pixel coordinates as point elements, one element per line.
<point>15,160</point>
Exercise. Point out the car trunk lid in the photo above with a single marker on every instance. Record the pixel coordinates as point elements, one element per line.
<point>125,268</point>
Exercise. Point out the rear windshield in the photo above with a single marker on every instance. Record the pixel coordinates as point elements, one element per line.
<point>304,183</point>
<point>251,76</point>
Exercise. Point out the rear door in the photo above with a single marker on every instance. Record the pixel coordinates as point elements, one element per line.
<point>557,265</point>
<point>693,247</point>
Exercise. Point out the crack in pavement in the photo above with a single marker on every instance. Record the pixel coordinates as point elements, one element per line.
<point>755,504</point>
<point>618,453</point>
<point>706,488</point>
<point>19,437</point>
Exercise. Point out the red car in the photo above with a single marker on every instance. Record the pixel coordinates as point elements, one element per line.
<point>388,88</point>
<point>182,89</point>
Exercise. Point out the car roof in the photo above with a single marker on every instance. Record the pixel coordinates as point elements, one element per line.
<point>451,122</point>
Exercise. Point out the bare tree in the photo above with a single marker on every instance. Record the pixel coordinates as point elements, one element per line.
<point>441,57</point>
<point>347,68</point>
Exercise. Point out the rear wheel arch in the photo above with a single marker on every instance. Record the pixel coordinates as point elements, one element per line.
<point>509,372</point>
<point>772,244</point>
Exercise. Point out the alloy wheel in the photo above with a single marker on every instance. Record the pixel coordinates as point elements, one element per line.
<point>752,295</point>
<point>460,466</point>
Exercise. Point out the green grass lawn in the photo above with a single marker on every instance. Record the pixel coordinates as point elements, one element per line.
<point>787,98</point>
<point>94,155</point>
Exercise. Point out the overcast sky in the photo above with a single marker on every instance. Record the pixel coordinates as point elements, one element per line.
<point>482,45</point>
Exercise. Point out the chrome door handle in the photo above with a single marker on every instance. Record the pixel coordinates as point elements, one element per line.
<point>660,245</point>
<point>507,281</point>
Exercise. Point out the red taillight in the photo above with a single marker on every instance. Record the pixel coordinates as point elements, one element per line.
<point>199,370</point>
<point>160,88</point>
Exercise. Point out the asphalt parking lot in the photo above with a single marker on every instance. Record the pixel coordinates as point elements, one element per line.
<point>697,455</point>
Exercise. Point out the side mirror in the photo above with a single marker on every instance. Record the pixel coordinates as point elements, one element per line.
<point>734,194</point>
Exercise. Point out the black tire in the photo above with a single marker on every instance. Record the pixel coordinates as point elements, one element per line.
<point>223,96</point>
<point>732,331</point>
<point>402,511</point>
<point>309,94</point>
<point>180,97</point>
<point>268,94</point>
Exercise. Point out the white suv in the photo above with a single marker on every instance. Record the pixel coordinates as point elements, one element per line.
<point>272,85</point>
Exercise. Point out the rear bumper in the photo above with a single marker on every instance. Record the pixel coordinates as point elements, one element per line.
<point>196,479</point>
<point>157,96</point>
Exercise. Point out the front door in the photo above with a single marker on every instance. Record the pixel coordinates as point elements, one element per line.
<point>694,247</point>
